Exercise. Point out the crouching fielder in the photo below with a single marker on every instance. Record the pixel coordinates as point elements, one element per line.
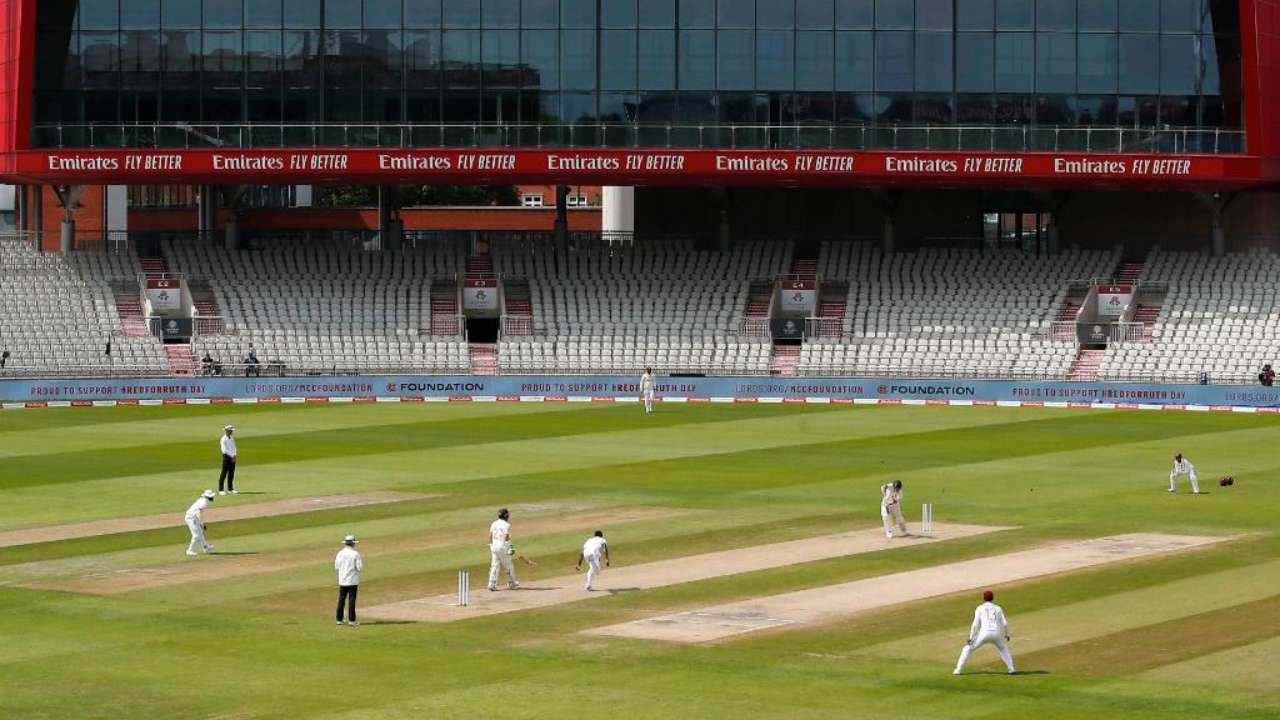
<point>195,522</point>
<point>501,551</point>
<point>592,550</point>
<point>1183,466</point>
<point>989,626</point>
<point>891,504</point>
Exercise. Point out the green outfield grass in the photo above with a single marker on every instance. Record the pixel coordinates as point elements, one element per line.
<point>1192,635</point>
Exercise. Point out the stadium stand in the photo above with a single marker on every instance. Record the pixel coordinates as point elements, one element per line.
<point>58,313</point>
<point>313,306</point>
<point>617,308</point>
<point>950,311</point>
<point>1220,317</point>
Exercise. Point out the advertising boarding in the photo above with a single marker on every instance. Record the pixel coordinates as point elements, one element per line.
<point>1113,299</point>
<point>798,296</point>
<point>165,294</point>
<point>480,295</point>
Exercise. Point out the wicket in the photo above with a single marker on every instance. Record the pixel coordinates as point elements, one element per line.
<point>464,588</point>
<point>926,518</point>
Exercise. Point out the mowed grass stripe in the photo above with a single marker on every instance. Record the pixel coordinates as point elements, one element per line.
<point>501,461</point>
<point>1108,614</point>
<point>807,463</point>
<point>1251,666</point>
<point>1152,645</point>
<point>60,468</point>
<point>208,428</point>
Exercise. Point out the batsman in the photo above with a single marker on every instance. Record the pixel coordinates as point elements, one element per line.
<point>501,552</point>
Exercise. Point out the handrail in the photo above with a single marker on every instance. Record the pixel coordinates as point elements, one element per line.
<point>818,135</point>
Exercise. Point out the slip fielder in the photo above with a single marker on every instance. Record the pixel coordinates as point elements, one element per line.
<point>1183,466</point>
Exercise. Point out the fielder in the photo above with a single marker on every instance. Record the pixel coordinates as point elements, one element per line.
<point>646,389</point>
<point>592,550</point>
<point>195,522</point>
<point>501,552</point>
<point>989,626</point>
<point>1183,466</point>
<point>891,503</point>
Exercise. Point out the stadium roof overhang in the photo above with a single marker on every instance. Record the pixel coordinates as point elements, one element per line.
<point>642,166</point>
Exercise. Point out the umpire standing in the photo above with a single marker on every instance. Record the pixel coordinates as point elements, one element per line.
<point>228,476</point>
<point>349,564</point>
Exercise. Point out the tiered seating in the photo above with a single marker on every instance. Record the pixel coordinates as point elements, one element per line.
<point>1221,317</point>
<point>630,354</point>
<point>324,307</point>
<point>608,308</point>
<point>57,314</point>
<point>949,311</point>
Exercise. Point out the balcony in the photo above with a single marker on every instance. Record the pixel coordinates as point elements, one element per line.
<point>1000,138</point>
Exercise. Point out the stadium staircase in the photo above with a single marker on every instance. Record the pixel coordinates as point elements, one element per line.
<point>1129,272</point>
<point>832,307</point>
<point>784,360</point>
<point>518,306</point>
<point>128,302</point>
<point>206,304</point>
<point>759,298</point>
<point>181,360</point>
<point>484,358</point>
<point>444,307</point>
<point>1147,315</point>
<point>154,267</point>
<point>1086,364</point>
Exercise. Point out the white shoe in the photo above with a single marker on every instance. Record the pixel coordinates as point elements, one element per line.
<point>955,672</point>
<point>589,589</point>
<point>353,623</point>
<point>1172,490</point>
<point>222,492</point>
<point>235,492</point>
<point>208,549</point>
<point>513,586</point>
<point>339,623</point>
<point>493,588</point>
<point>191,553</point>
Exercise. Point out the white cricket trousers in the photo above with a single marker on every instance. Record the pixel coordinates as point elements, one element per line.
<point>648,401</point>
<point>197,535</point>
<point>896,511</point>
<point>996,640</point>
<point>1173,481</point>
<point>593,570</point>
<point>501,559</point>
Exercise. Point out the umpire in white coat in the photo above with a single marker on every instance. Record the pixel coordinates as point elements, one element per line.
<point>349,565</point>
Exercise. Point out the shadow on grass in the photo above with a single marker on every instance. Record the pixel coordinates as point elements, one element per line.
<point>233,554</point>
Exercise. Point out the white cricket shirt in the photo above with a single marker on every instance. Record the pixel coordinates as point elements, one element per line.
<point>593,547</point>
<point>197,507</point>
<point>228,445</point>
<point>498,533</point>
<point>988,619</point>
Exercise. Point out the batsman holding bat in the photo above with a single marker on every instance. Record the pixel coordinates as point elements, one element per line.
<point>501,552</point>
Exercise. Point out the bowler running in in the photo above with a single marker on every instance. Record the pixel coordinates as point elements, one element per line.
<point>592,550</point>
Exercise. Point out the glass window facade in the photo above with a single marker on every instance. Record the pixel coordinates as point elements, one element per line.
<point>1060,63</point>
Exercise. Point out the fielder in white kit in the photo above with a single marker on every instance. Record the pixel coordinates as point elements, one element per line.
<point>891,504</point>
<point>989,626</point>
<point>592,550</point>
<point>646,389</point>
<point>195,522</point>
<point>1183,466</point>
<point>501,551</point>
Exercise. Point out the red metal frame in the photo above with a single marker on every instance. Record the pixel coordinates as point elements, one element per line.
<point>1260,51</point>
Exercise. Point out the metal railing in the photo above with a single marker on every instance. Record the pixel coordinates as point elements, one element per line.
<point>271,368</point>
<point>209,325</point>
<point>823,327</point>
<point>448,325</point>
<point>754,327</point>
<point>518,325</point>
<point>1128,332</point>
<point>818,136</point>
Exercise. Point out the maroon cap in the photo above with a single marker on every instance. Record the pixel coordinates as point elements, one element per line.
<point>988,596</point>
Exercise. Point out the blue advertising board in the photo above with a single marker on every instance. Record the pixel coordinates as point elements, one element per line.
<point>545,386</point>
